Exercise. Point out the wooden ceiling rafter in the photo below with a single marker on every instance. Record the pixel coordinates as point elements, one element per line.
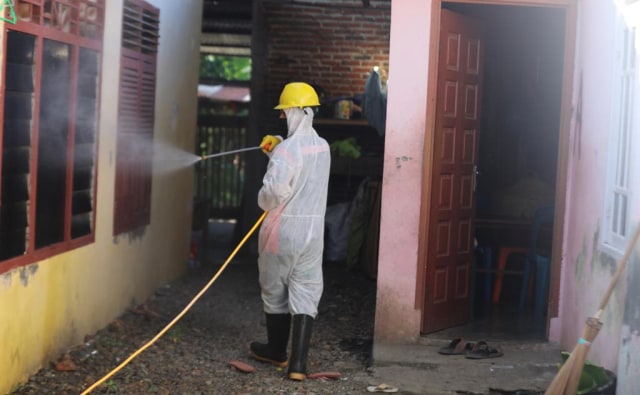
<point>227,27</point>
<point>381,4</point>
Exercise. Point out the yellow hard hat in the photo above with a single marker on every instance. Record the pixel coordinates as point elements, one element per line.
<point>297,94</point>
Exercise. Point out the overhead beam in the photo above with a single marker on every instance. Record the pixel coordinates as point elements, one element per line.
<point>226,40</point>
<point>230,51</point>
<point>227,9</point>
<point>218,25</point>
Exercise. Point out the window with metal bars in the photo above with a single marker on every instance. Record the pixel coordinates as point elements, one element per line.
<point>48,134</point>
<point>136,111</point>
<point>624,129</point>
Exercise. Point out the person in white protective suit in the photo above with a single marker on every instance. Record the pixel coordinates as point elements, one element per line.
<point>291,238</point>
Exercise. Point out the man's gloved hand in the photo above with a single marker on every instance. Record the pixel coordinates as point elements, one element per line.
<point>269,142</point>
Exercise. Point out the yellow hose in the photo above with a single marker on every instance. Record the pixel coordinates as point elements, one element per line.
<point>182,313</point>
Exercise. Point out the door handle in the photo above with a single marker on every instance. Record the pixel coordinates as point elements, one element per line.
<point>476,173</point>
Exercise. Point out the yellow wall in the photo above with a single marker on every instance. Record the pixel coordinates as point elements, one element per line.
<point>51,305</point>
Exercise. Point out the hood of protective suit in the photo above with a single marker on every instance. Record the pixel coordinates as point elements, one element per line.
<point>291,239</point>
<point>299,120</point>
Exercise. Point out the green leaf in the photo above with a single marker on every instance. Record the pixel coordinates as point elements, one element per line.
<point>593,376</point>
<point>348,148</point>
<point>586,384</point>
<point>226,68</point>
<point>598,373</point>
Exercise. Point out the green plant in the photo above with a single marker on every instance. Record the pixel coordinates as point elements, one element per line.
<point>347,148</point>
<point>226,68</point>
<point>175,334</point>
<point>593,376</point>
<point>112,387</point>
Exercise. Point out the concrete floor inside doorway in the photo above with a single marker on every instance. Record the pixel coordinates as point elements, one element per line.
<point>527,365</point>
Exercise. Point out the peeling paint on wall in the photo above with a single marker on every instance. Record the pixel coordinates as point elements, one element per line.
<point>628,362</point>
<point>632,307</point>
<point>5,282</point>
<point>604,265</point>
<point>599,260</point>
<point>134,235</point>
<point>581,259</point>
<point>401,159</point>
<point>602,258</point>
<point>27,272</point>
<point>608,263</point>
<point>592,265</point>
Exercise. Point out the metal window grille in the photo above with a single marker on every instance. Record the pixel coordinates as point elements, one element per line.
<point>619,187</point>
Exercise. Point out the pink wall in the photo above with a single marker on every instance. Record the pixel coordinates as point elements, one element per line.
<point>397,319</point>
<point>587,270</point>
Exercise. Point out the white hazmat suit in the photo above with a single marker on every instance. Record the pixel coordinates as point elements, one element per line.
<point>291,238</point>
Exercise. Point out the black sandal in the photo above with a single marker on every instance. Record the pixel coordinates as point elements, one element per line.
<point>457,346</point>
<point>482,350</point>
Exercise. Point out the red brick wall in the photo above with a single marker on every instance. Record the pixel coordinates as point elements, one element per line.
<point>334,46</point>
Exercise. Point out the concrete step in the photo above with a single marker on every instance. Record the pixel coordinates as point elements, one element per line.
<point>525,368</point>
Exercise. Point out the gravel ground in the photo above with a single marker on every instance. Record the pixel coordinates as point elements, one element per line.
<point>193,356</point>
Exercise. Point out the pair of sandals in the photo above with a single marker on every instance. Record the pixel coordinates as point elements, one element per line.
<point>479,350</point>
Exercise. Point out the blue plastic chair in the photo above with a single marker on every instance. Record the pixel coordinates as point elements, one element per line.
<point>538,260</point>
<point>486,263</point>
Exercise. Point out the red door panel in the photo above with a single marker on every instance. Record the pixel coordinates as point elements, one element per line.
<point>450,245</point>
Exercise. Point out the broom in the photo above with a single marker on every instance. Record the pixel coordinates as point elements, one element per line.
<point>568,377</point>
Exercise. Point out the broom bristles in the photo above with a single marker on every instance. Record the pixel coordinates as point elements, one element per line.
<point>565,379</point>
<point>576,369</point>
<point>568,377</point>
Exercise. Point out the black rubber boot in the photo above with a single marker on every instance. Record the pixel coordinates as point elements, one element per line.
<point>302,326</point>
<point>275,350</point>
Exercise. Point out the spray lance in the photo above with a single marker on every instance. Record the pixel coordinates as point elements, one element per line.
<point>265,147</point>
<point>235,151</point>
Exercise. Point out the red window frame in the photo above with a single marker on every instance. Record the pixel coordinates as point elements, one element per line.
<point>136,116</point>
<point>77,25</point>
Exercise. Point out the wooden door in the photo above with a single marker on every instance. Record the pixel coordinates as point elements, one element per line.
<point>455,155</point>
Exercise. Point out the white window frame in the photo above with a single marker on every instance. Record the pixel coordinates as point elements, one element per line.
<point>623,166</point>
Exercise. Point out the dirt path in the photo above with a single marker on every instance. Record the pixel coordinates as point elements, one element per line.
<point>193,357</point>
